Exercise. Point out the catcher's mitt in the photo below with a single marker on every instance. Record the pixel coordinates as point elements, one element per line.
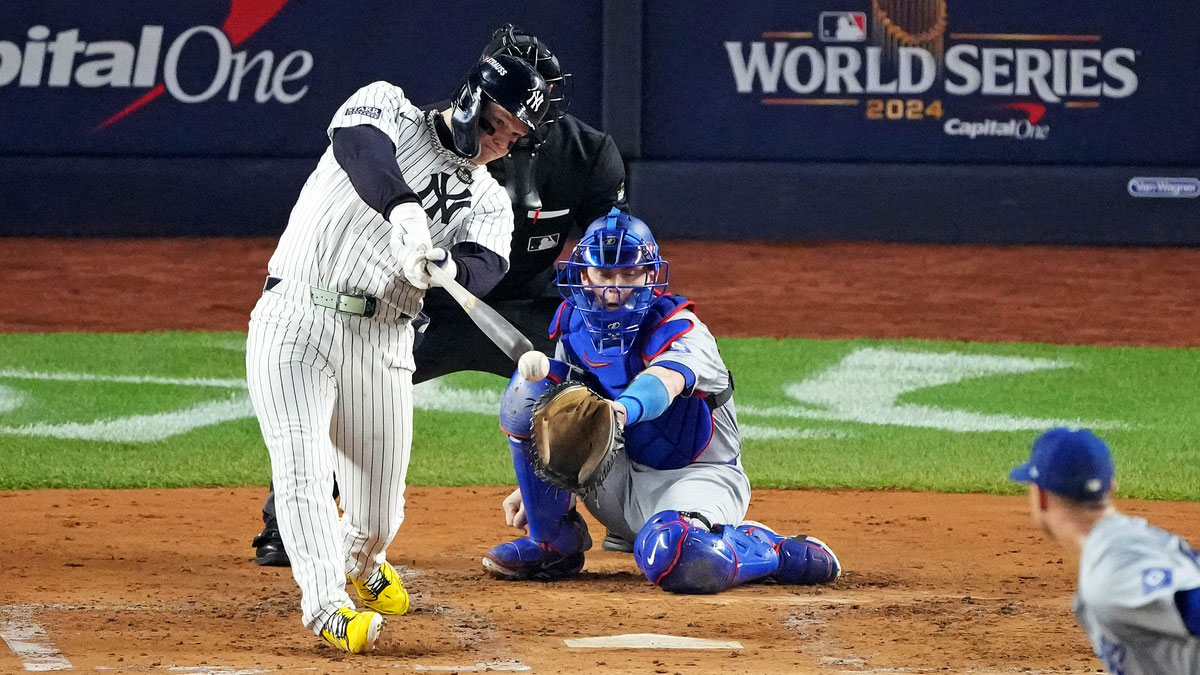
<point>576,437</point>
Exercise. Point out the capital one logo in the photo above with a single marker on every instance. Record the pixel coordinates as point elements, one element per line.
<point>207,53</point>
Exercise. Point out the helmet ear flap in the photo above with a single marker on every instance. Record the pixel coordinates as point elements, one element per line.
<point>464,118</point>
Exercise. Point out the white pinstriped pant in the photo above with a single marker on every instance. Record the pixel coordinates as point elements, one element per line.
<point>333,395</point>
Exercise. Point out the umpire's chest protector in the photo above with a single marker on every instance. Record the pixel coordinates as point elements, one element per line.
<point>678,436</point>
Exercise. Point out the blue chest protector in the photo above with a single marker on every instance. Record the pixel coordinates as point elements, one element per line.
<point>678,436</point>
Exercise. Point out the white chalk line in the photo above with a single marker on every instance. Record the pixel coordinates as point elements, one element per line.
<point>478,667</point>
<point>29,641</point>
<point>868,386</point>
<point>19,374</point>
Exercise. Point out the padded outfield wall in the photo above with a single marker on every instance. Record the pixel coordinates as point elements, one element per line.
<point>893,120</point>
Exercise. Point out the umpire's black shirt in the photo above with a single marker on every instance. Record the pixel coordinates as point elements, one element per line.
<point>579,176</point>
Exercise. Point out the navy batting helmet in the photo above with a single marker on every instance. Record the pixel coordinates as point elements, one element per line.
<point>506,81</point>
<point>512,41</point>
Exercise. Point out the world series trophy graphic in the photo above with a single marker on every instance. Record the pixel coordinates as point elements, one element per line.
<point>909,23</point>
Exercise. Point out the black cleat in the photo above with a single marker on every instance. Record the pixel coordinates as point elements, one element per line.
<point>269,550</point>
<point>615,542</point>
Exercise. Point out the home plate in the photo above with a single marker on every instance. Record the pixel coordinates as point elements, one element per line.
<point>650,641</point>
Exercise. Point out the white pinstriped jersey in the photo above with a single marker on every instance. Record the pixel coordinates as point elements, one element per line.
<point>1129,573</point>
<point>333,390</point>
<point>335,241</point>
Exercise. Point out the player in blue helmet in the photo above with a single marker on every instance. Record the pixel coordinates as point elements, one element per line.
<point>1139,585</point>
<point>611,278</point>
<point>677,496</point>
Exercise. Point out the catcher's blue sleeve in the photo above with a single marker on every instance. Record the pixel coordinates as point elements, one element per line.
<point>644,399</point>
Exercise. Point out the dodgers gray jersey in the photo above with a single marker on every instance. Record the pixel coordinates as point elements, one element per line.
<point>714,484</point>
<point>1129,573</point>
<point>335,241</point>
<point>697,351</point>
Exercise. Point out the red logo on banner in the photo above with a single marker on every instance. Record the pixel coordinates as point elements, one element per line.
<point>1036,111</point>
<point>245,18</point>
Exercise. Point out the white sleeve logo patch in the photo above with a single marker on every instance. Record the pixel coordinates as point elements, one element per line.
<point>373,113</point>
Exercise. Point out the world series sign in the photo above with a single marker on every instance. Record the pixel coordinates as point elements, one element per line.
<point>904,80</point>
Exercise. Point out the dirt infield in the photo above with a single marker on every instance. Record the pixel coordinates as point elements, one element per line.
<point>1023,293</point>
<point>153,580</point>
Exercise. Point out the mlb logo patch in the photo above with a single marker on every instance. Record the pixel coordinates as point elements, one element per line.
<point>1154,578</point>
<point>843,26</point>
<point>543,243</point>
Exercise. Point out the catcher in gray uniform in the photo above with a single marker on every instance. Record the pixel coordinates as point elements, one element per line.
<point>1139,586</point>
<point>636,417</point>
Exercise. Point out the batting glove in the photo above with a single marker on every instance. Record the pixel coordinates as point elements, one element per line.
<point>440,257</point>
<point>410,242</point>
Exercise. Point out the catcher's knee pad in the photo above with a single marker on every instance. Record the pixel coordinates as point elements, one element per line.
<point>802,559</point>
<point>681,553</point>
<point>516,405</point>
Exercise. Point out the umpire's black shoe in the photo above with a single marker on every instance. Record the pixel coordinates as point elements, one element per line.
<point>615,542</point>
<point>269,549</point>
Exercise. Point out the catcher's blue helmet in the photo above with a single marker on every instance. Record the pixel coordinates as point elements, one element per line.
<point>507,81</point>
<point>617,240</point>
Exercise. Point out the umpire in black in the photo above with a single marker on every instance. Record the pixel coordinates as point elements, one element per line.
<point>562,183</point>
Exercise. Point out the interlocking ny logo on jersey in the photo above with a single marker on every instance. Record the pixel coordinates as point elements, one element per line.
<point>444,202</point>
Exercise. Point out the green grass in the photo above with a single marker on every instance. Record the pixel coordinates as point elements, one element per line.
<point>851,432</point>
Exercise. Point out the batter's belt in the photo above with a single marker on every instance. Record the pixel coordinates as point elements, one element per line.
<point>358,304</point>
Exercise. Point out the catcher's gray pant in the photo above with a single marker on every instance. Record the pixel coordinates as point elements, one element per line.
<point>331,396</point>
<point>631,493</point>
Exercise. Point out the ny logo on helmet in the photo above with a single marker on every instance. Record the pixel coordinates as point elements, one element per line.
<point>535,99</point>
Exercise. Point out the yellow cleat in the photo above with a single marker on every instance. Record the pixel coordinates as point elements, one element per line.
<point>383,592</point>
<point>352,631</point>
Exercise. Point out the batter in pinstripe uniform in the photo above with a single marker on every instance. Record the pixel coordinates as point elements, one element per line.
<point>329,354</point>
<point>564,179</point>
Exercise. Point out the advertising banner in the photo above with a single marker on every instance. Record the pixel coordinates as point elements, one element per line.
<point>246,77</point>
<point>1068,82</point>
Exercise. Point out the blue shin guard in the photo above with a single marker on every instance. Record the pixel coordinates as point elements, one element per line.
<point>679,552</point>
<point>545,505</point>
<point>558,535</point>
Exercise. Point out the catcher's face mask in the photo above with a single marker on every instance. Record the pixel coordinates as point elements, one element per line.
<point>611,279</point>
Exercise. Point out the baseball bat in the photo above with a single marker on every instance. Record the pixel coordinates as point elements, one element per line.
<point>497,328</point>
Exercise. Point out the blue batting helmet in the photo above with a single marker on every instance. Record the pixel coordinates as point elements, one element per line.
<point>615,241</point>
